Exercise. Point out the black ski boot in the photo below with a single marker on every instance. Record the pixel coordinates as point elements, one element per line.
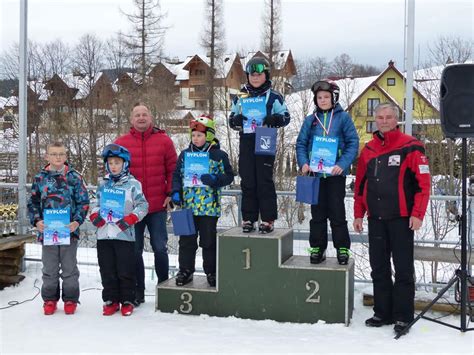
<point>342,256</point>
<point>377,322</point>
<point>248,226</point>
<point>317,255</point>
<point>266,227</point>
<point>184,277</point>
<point>211,280</point>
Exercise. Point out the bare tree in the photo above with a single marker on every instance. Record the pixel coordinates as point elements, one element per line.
<point>342,66</point>
<point>450,49</point>
<point>310,70</point>
<point>89,58</point>
<point>213,41</point>
<point>271,40</point>
<point>145,41</point>
<point>57,58</point>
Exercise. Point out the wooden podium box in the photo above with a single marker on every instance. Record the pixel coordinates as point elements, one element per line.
<point>258,277</point>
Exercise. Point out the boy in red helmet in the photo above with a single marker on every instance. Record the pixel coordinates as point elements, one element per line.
<point>203,198</point>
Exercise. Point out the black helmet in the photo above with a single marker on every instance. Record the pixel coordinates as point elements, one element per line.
<point>325,85</point>
<point>258,65</point>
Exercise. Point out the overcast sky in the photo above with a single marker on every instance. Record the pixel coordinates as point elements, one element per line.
<point>370,31</point>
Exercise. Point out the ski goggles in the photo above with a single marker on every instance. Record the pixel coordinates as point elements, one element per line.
<point>256,68</point>
<point>114,150</point>
<point>320,85</point>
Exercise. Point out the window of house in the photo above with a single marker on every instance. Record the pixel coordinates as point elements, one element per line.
<point>390,81</point>
<point>370,127</point>
<point>371,105</point>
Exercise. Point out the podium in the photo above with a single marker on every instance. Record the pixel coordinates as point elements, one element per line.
<point>258,277</point>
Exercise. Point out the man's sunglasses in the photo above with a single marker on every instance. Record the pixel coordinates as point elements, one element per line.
<point>256,68</point>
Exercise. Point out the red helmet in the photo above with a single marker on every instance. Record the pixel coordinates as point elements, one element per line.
<point>325,85</point>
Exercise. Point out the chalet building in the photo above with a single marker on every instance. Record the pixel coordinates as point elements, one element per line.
<point>360,96</point>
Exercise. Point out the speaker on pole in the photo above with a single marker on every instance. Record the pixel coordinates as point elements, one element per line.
<point>457,101</point>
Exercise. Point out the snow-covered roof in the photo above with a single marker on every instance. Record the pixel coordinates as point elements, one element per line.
<point>351,88</point>
<point>81,82</point>
<point>3,101</point>
<point>279,58</point>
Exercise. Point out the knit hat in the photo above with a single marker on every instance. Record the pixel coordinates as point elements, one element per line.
<point>204,124</point>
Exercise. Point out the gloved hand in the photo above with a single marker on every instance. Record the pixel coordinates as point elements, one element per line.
<point>237,121</point>
<point>276,120</point>
<point>97,220</point>
<point>127,221</point>
<point>209,179</point>
<point>176,198</point>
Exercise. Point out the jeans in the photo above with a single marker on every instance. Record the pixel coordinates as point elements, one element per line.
<point>156,224</point>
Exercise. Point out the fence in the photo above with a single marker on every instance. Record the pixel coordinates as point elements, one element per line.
<point>437,243</point>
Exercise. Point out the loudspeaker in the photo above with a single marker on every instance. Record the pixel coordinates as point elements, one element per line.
<point>457,101</point>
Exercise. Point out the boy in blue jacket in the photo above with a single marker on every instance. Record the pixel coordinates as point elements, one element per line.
<point>59,187</point>
<point>256,171</point>
<point>120,205</point>
<point>204,200</point>
<point>332,125</point>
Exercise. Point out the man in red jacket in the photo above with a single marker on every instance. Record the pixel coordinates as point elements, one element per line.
<point>153,160</point>
<point>393,186</point>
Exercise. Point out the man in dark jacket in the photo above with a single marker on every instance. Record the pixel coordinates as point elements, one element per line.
<point>393,186</point>
<point>153,160</point>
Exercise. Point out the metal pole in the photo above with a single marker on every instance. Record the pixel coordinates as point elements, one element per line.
<point>22,110</point>
<point>410,59</point>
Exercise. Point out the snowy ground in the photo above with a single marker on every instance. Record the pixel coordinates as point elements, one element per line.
<point>24,329</point>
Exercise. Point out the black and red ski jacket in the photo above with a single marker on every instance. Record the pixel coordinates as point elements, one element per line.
<point>393,177</point>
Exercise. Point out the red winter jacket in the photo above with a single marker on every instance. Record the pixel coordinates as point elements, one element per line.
<point>393,178</point>
<point>153,160</point>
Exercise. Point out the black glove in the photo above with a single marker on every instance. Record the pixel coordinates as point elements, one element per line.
<point>276,120</point>
<point>237,121</point>
<point>209,180</point>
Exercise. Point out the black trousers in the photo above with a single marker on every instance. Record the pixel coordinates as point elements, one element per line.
<point>117,270</point>
<point>392,239</point>
<point>332,191</point>
<point>258,188</point>
<point>206,228</point>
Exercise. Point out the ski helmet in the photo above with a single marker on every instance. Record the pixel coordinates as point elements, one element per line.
<point>115,150</point>
<point>325,85</point>
<point>258,65</point>
<point>204,124</point>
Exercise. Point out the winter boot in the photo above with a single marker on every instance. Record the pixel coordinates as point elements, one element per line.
<point>49,307</point>
<point>377,322</point>
<point>139,297</point>
<point>342,256</point>
<point>317,255</point>
<point>248,226</point>
<point>127,308</point>
<point>211,280</point>
<point>266,227</point>
<point>70,307</point>
<point>184,277</point>
<point>110,308</point>
<point>399,327</point>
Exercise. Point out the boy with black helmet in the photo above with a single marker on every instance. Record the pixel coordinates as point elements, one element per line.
<point>122,194</point>
<point>331,124</point>
<point>204,199</point>
<point>256,171</point>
